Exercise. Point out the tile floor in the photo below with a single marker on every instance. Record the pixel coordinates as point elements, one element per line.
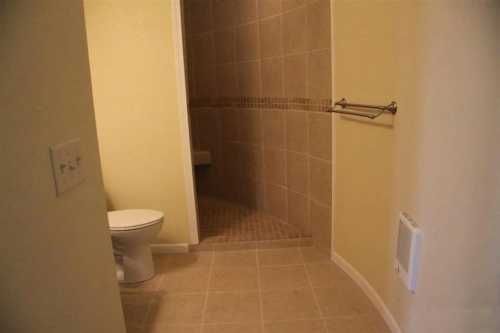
<point>284,290</point>
<point>222,221</point>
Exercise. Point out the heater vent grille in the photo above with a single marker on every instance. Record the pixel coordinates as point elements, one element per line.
<point>408,251</point>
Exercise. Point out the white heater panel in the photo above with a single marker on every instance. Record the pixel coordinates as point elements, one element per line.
<point>408,251</point>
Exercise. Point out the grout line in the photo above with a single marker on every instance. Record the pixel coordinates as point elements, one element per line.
<point>205,304</point>
<point>259,285</point>
<point>321,315</point>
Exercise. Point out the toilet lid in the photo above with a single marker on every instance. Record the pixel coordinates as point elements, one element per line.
<point>129,219</point>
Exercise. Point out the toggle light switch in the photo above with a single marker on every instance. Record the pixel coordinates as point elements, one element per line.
<point>67,165</point>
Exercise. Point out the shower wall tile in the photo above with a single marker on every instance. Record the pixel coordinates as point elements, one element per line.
<point>276,201</point>
<point>195,133</point>
<point>251,160</point>
<point>206,86</point>
<point>275,166</point>
<point>272,77</point>
<point>269,7</point>
<point>200,15</point>
<point>294,34</point>
<point>249,78</point>
<point>320,135</point>
<point>273,123</point>
<point>321,225</point>
<point>227,80</point>
<point>296,131</point>
<point>204,49</point>
<point>225,46</point>
<point>318,20</point>
<point>251,126</point>
<point>247,42</point>
<point>291,4</point>
<point>190,67</point>
<point>209,132</point>
<point>251,194</point>
<point>295,75</point>
<point>224,13</point>
<point>298,212</point>
<point>298,172</point>
<point>207,181</point>
<point>230,124</point>
<point>263,69</point>
<point>320,74</point>
<point>247,10</point>
<point>320,181</point>
<point>270,37</point>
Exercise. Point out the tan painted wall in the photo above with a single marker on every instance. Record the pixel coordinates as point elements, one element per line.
<point>440,62</point>
<point>57,272</point>
<point>135,97</point>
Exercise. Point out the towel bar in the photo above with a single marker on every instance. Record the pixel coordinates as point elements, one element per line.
<point>345,106</point>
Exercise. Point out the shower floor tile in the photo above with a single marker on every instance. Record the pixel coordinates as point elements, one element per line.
<point>222,221</point>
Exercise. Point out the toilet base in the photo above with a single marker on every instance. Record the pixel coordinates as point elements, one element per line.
<point>137,263</point>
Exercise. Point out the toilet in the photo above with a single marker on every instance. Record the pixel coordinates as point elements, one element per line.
<point>132,230</point>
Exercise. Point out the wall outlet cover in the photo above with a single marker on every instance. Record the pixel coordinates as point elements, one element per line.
<point>67,165</point>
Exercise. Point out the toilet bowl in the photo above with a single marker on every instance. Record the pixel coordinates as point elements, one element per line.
<point>132,230</point>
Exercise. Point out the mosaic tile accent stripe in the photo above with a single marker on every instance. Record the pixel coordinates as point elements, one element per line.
<point>280,103</point>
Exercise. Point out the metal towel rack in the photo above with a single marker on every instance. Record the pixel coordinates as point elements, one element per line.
<point>391,108</point>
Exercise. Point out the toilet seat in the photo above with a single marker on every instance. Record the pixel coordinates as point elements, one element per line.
<point>131,219</point>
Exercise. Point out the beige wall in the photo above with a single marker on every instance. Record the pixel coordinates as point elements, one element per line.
<point>58,273</point>
<point>445,163</point>
<point>133,70</point>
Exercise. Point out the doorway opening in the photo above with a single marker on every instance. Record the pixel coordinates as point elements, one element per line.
<point>261,139</point>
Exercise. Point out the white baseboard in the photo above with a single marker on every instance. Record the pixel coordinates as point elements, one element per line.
<point>169,248</point>
<point>370,292</point>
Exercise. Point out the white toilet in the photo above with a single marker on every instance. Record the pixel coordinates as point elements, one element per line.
<point>132,230</point>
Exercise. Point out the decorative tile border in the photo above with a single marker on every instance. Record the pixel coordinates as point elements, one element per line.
<point>280,103</point>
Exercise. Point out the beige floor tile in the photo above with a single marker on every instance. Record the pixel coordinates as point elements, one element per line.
<point>175,299</point>
<point>283,277</point>
<point>234,246</point>
<point>143,298</point>
<point>281,243</point>
<point>343,299</point>
<point>175,262</point>
<point>289,305</point>
<point>234,279</point>
<point>325,274</point>
<point>311,254</point>
<point>185,281</point>
<point>286,256</point>
<point>232,307</point>
<point>233,328</point>
<point>235,258</point>
<point>135,308</point>
<point>295,326</point>
<point>166,328</point>
<point>137,329</point>
<point>177,309</point>
<point>135,314</point>
<point>377,323</point>
<point>356,324</point>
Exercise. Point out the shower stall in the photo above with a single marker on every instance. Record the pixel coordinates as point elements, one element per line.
<point>259,85</point>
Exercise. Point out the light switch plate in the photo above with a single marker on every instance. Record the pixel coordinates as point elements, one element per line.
<point>67,165</point>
